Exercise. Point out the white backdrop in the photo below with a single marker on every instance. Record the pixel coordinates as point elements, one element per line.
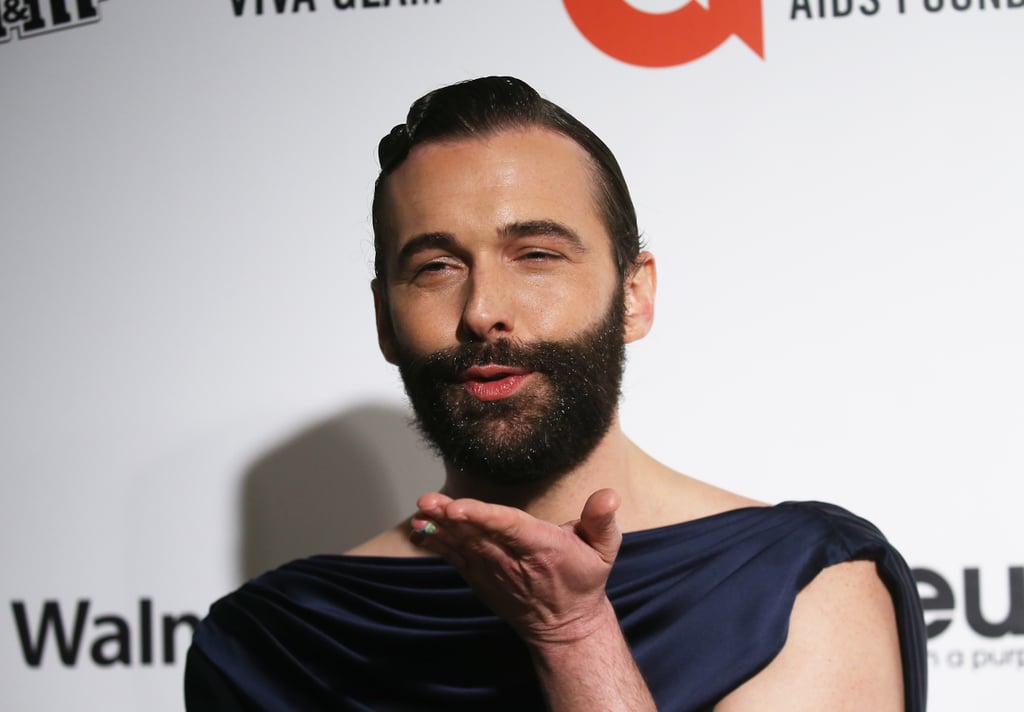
<point>190,384</point>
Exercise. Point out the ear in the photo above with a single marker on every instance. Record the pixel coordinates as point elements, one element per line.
<point>640,286</point>
<point>385,330</point>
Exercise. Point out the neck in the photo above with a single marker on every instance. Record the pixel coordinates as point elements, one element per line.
<point>615,462</point>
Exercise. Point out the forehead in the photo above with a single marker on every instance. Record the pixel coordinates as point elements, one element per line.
<point>475,185</point>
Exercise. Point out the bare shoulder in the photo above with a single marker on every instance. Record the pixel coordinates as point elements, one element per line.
<point>715,500</point>
<point>681,498</point>
<point>842,652</point>
<point>390,542</point>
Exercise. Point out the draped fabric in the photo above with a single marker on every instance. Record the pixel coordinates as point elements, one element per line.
<point>704,606</point>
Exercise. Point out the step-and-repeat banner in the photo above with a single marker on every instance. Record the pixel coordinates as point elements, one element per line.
<point>190,385</point>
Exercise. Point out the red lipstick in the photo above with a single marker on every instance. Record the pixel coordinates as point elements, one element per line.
<point>493,382</point>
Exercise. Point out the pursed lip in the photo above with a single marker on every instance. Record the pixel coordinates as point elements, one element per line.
<point>490,372</point>
<point>493,382</point>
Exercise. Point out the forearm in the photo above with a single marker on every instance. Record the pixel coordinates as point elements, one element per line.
<point>592,670</point>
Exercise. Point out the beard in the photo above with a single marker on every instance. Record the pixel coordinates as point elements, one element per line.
<point>545,429</point>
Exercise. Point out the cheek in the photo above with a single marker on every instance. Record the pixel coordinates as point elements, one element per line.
<point>549,313</point>
<point>566,315</point>
<point>424,326</point>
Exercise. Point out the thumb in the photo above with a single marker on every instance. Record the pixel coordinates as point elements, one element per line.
<point>597,525</point>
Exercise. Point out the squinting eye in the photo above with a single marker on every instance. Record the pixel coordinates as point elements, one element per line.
<point>433,268</point>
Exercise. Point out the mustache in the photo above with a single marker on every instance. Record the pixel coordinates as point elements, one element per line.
<point>571,355</point>
<point>448,364</point>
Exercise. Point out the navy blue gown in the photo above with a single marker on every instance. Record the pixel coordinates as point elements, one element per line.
<point>704,605</point>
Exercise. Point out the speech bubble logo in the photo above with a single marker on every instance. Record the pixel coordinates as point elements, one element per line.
<point>667,39</point>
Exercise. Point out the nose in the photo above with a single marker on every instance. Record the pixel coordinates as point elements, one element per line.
<point>489,311</point>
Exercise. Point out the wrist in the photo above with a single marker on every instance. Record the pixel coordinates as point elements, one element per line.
<point>591,628</point>
<point>590,666</point>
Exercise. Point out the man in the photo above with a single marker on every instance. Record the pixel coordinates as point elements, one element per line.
<point>509,279</point>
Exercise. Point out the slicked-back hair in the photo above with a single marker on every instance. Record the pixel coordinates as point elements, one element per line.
<point>481,107</point>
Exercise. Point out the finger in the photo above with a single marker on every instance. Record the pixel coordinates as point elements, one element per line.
<point>451,527</point>
<point>432,504</point>
<point>493,522</point>
<point>598,526</point>
<point>455,540</point>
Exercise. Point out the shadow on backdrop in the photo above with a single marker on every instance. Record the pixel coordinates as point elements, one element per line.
<point>331,486</point>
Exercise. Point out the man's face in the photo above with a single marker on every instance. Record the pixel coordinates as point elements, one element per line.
<point>502,305</point>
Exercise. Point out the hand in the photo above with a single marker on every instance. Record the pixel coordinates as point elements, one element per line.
<point>546,581</point>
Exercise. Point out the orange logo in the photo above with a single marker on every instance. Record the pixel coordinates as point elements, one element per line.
<point>666,39</point>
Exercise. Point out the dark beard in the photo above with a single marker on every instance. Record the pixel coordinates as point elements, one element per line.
<point>545,430</point>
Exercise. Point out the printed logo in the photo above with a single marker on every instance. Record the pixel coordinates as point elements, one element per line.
<point>667,39</point>
<point>281,7</point>
<point>997,647</point>
<point>27,18</point>
<point>838,9</point>
<point>110,639</point>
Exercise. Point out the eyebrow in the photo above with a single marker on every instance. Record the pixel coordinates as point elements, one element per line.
<point>509,231</point>
<point>550,228</point>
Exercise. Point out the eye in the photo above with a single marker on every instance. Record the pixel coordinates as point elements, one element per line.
<point>435,269</point>
<point>540,255</point>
